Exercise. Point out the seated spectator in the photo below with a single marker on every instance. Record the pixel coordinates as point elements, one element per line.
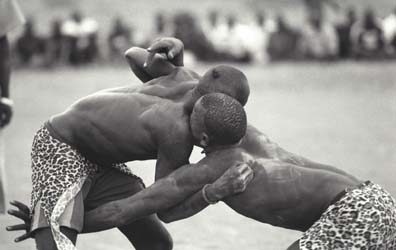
<point>81,36</point>
<point>367,37</point>
<point>29,46</point>
<point>283,42</point>
<point>119,39</point>
<point>319,39</point>
<point>389,27</point>
<point>344,34</point>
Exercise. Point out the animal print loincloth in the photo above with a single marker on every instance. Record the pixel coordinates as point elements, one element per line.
<point>58,173</point>
<point>364,218</point>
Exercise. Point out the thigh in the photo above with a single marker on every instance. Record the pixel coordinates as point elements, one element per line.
<point>45,241</point>
<point>109,184</point>
<point>148,233</point>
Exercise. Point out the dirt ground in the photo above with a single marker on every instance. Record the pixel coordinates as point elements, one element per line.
<point>341,114</point>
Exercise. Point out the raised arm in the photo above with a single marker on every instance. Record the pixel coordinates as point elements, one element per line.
<point>160,59</point>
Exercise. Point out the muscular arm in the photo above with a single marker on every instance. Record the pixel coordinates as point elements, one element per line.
<point>160,66</point>
<point>233,181</point>
<point>161,58</point>
<point>263,147</point>
<point>189,207</point>
<point>162,195</point>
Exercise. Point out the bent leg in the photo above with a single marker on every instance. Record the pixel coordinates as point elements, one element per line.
<point>45,241</point>
<point>109,185</point>
<point>148,233</point>
<point>294,246</point>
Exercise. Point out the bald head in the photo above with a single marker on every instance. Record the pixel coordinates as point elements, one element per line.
<point>227,80</point>
<point>218,117</point>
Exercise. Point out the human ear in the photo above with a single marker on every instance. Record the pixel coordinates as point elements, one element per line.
<point>204,140</point>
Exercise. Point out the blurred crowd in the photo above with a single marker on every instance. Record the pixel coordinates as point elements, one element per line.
<point>76,40</point>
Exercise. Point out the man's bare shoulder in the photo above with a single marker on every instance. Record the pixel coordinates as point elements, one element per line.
<point>224,159</point>
<point>169,122</point>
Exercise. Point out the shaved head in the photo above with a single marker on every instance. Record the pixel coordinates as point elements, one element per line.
<point>227,80</point>
<point>220,117</point>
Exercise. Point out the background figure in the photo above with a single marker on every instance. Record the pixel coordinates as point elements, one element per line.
<point>283,42</point>
<point>256,36</point>
<point>81,38</point>
<point>319,39</point>
<point>10,17</point>
<point>119,39</point>
<point>234,46</point>
<point>29,45</point>
<point>193,37</point>
<point>55,44</point>
<point>215,30</point>
<point>367,37</point>
<point>344,34</point>
<point>162,28</point>
<point>389,28</point>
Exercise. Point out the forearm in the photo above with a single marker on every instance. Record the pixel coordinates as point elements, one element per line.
<point>136,58</point>
<point>115,214</point>
<point>160,196</point>
<point>4,67</point>
<point>185,209</point>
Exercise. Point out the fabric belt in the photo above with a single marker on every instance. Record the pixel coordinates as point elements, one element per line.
<point>347,190</point>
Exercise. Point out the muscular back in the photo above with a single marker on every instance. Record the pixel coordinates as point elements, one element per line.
<point>284,192</point>
<point>124,124</point>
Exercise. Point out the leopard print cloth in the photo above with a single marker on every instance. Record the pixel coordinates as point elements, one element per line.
<point>364,218</point>
<point>58,173</point>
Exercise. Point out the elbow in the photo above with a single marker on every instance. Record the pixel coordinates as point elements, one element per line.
<point>165,217</point>
<point>131,52</point>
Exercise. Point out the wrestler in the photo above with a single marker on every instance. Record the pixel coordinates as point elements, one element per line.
<point>334,209</point>
<point>78,156</point>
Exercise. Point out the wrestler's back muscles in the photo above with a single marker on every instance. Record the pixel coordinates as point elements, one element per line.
<point>287,195</point>
<point>116,125</point>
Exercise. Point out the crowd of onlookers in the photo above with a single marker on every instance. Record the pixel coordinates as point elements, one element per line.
<point>77,41</point>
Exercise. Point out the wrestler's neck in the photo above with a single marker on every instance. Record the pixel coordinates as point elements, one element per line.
<point>216,147</point>
<point>189,100</point>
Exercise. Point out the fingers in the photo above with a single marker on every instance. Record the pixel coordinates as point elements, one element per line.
<point>17,227</point>
<point>21,206</point>
<point>243,168</point>
<point>149,59</point>
<point>19,214</point>
<point>164,45</point>
<point>23,237</point>
<point>175,50</point>
<point>160,46</point>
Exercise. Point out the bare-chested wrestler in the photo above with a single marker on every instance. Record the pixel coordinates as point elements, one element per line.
<point>78,156</point>
<point>334,209</point>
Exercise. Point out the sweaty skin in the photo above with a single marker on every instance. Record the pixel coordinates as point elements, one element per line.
<point>287,191</point>
<point>134,123</point>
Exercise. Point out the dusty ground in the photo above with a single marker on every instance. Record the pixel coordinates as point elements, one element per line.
<point>341,114</point>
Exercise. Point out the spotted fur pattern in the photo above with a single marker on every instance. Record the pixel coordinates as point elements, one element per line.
<point>59,171</point>
<point>365,219</point>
